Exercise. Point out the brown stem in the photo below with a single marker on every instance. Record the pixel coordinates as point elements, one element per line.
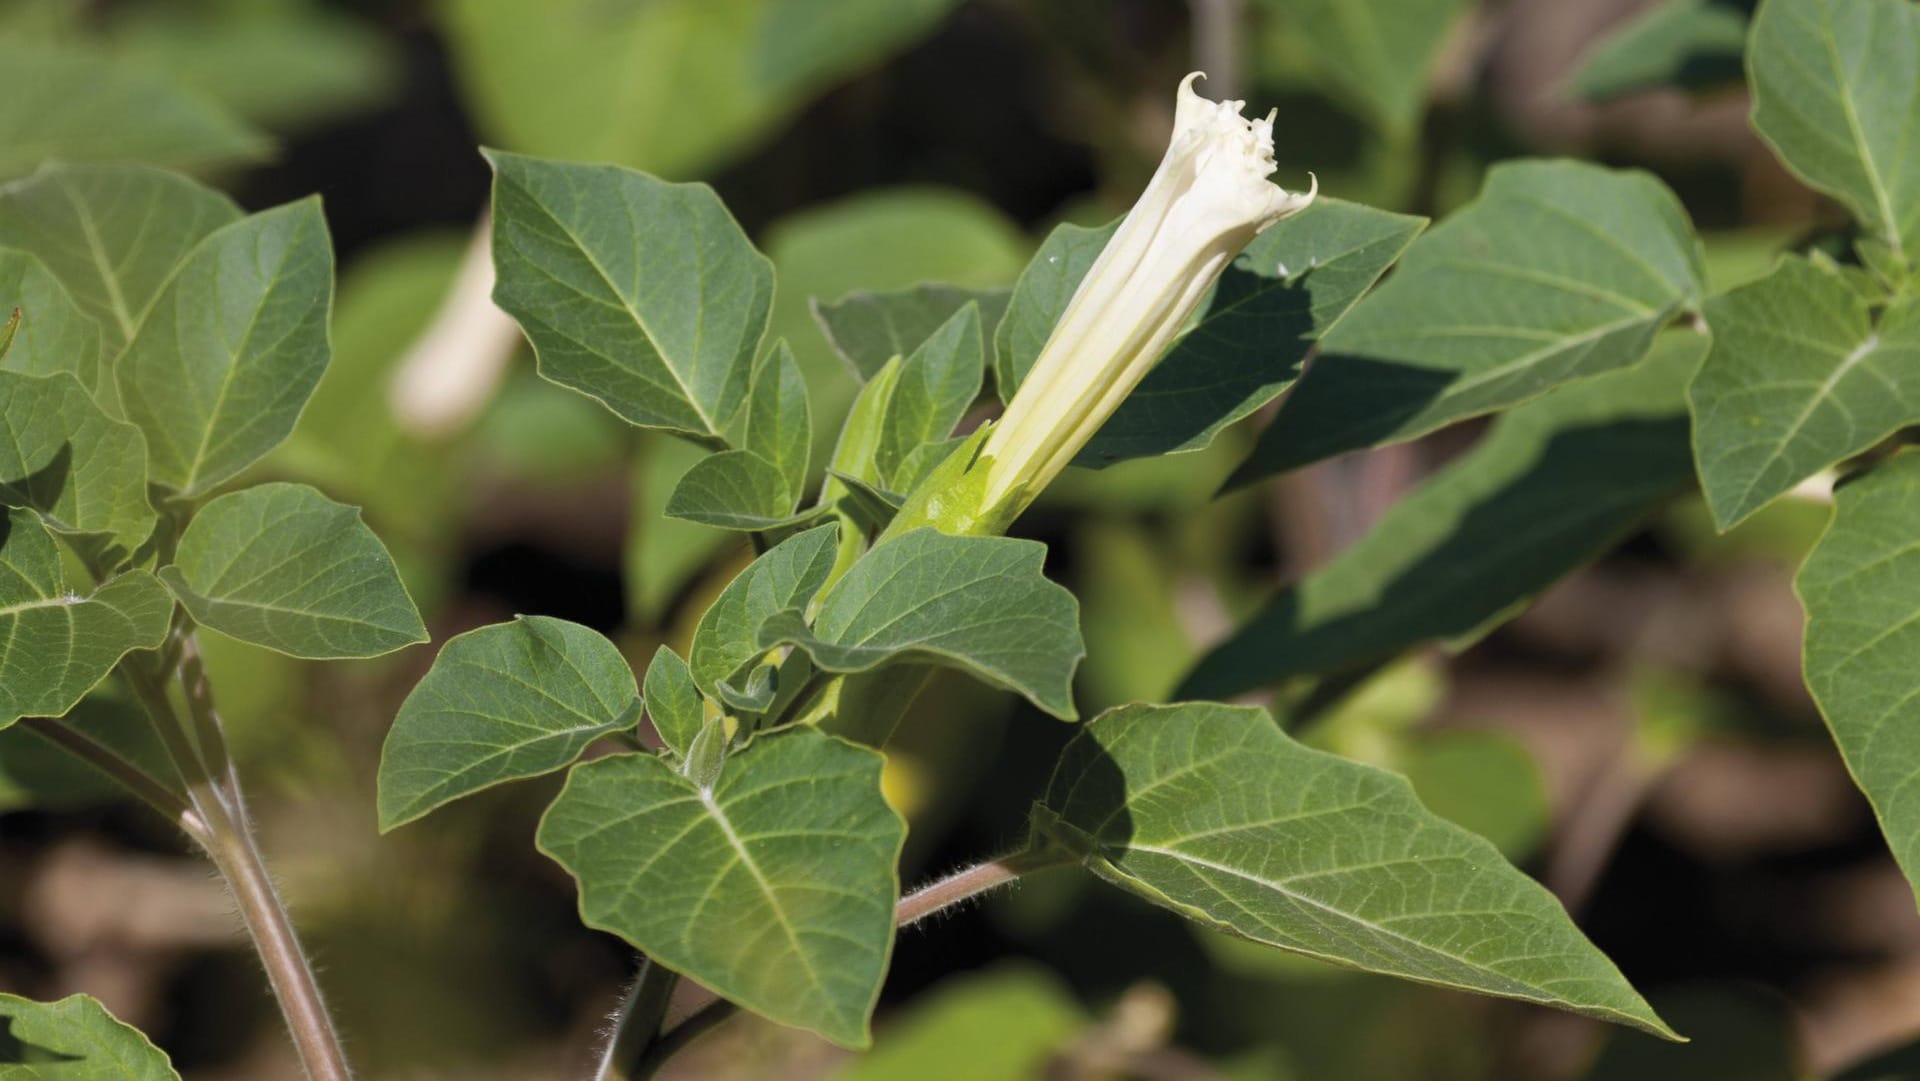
<point>636,1024</point>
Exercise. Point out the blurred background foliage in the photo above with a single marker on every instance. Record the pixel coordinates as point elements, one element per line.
<point>1639,736</point>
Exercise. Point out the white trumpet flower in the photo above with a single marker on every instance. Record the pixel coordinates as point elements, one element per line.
<point>1208,199</point>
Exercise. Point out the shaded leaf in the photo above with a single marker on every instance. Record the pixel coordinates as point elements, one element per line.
<point>643,294</point>
<point>502,703</point>
<point>1558,271</point>
<point>1552,485</point>
<point>1213,812</point>
<point>935,385</point>
<point>56,645</point>
<point>1836,93</point>
<point>786,576</point>
<point>219,369</point>
<point>282,566</point>
<point>36,773</point>
<point>112,234</point>
<point>673,700</point>
<point>980,604</point>
<point>1800,376</point>
<point>775,886</point>
<point>1377,55</point>
<point>779,423</point>
<point>867,329</point>
<point>1004,1024</point>
<point>76,1039</point>
<point>735,489</point>
<point>51,333</point>
<point>1861,590</point>
<point>64,457</point>
<point>1691,44</point>
<point>803,43</point>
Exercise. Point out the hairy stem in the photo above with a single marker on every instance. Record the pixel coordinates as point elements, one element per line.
<point>197,747</point>
<point>636,1024</point>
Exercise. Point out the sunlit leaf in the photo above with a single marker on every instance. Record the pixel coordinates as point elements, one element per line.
<point>53,334</point>
<point>935,385</point>
<point>673,700</point>
<point>779,422</point>
<point>75,1039</point>
<point>787,576</point>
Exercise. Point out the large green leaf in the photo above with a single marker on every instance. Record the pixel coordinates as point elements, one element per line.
<point>1800,376</point>
<point>980,604</point>
<point>112,234</point>
<point>868,329</point>
<point>75,1039</point>
<point>643,294</point>
<point>1836,93</point>
<point>1289,287</point>
<point>64,457</point>
<point>55,644</point>
<point>282,566</point>
<point>1213,812</point>
<point>775,886</point>
<point>931,392</point>
<point>1560,270</point>
<point>1554,484</point>
<point>1693,44</point>
<point>502,703</point>
<point>218,371</point>
<point>61,102</point>
<point>787,576</point>
<point>1377,55</point>
<point>1861,590</point>
<point>54,335</point>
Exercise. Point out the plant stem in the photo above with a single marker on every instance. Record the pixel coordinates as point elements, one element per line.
<point>636,1024</point>
<point>158,796</point>
<point>213,791</point>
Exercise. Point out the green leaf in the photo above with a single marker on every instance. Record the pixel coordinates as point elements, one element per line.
<point>787,576</point>
<point>112,234</point>
<point>1004,1024</point>
<point>219,369</point>
<point>64,457</point>
<point>1376,55</point>
<point>1213,812</point>
<point>55,644</point>
<point>1836,93</point>
<point>282,566</point>
<point>867,329</point>
<point>779,423</point>
<point>1039,298</point>
<point>935,385</point>
<point>775,887</point>
<point>1559,271</point>
<point>1800,377</point>
<point>76,105</point>
<point>52,334</point>
<point>673,700</point>
<point>76,1039</point>
<point>1553,485</point>
<point>1692,44</point>
<point>1861,591</point>
<point>980,604</point>
<point>643,294</point>
<point>803,43</point>
<point>502,703</point>
<point>1290,286</point>
<point>735,489</point>
<point>36,773</point>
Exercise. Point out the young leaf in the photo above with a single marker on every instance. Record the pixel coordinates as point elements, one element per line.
<point>643,294</point>
<point>935,385</point>
<point>1039,298</point>
<point>775,886</point>
<point>282,566</point>
<point>1287,288</point>
<point>673,700</point>
<point>1691,44</point>
<point>980,604</point>
<point>787,576</point>
<point>1861,590</point>
<point>779,425</point>
<point>45,332</point>
<point>64,457</point>
<point>1558,271</point>
<point>218,371</point>
<point>65,103</point>
<point>735,489</point>
<point>1836,93</point>
<point>1552,485</point>
<point>55,644</point>
<point>75,1039</point>
<point>1799,378</point>
<point>502,703</point>
<point>112,234</point>
<point>1213,812</point>
<point>868,329</point>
